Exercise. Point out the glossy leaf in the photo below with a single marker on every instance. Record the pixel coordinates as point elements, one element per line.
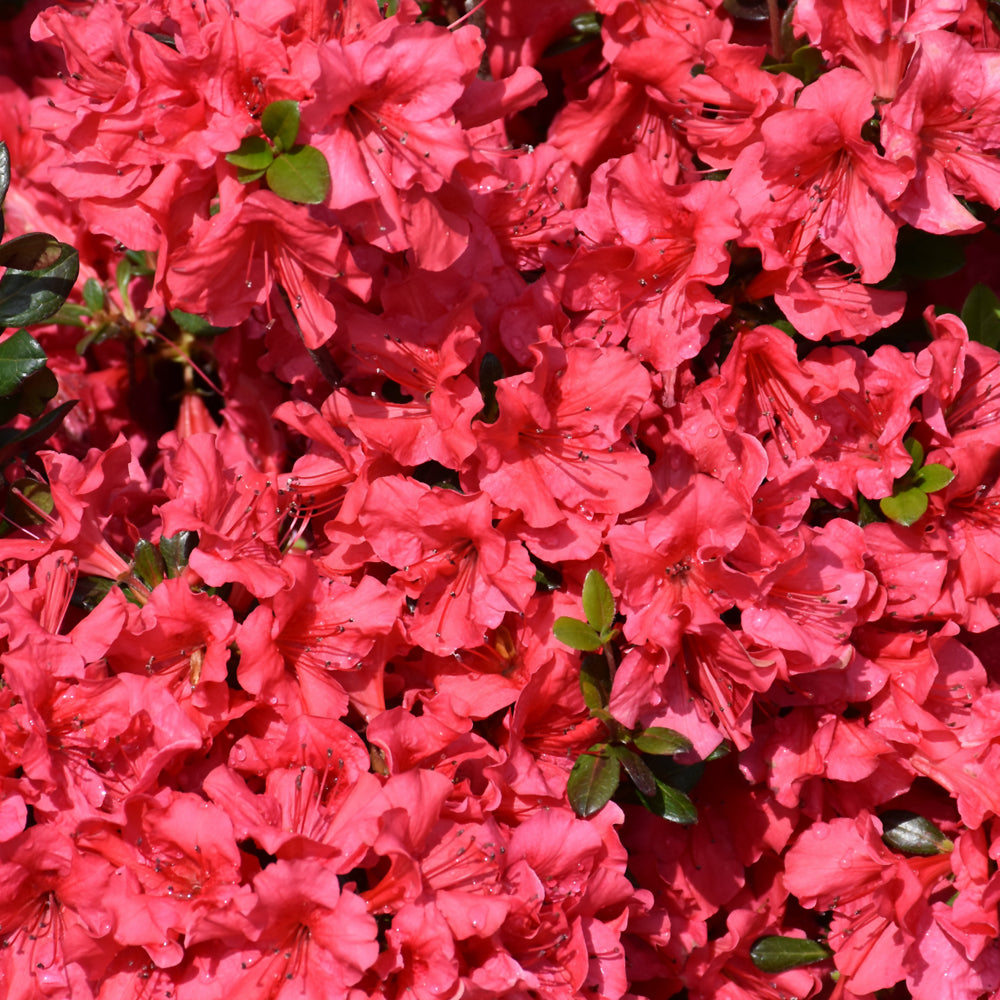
<point>774,953</point>
<point>933,477</point>
<point>148,563</point>
<point>32,437</point>
<point>670,803</point>
<point>176,550</point>
<point>254,153</point>
<point>4,175</point>
<point>636,768</point>
<point>30,296</point>
<point>592,781</point>
<point>576,634</point>
<point>280,122</point>
<point>660,741</point>
<point>913,834</point>
<point>30,252</point>
<point>301,175</point>
<point>598,601</point>
<point>20,357</point>
<point>905,508</point>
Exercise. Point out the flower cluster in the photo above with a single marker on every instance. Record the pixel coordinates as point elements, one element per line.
<point>401,325</point>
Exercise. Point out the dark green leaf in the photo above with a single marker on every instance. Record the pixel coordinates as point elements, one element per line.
<point>933,477</point>
<point>35,393</point>
<point>592,781</point>
<point>254,153</point>
<point>636,769</point>
<point>30,252</point>
<point>547,577</point>
<point>4,175</point>
<point>32,296</point>
<point>576,634</point>
<point>928,255</point>
<point>671,804</point>
<point>598,601</point>
<point>90,591</point>
<point>490,371</point>
<point>35,435</point>
<point>595,681</point>
<point>176,550</point>
<point>867,514</point>
<point>913,834</point>
<point>981,316</point>
<point>779,954</point>
<point>148,563</point>
<point>905,508</point>
<point>20,357</point>
<point>301,175</point>
<point>280,122</point>
<point>94,296</point>
<point>660,741</point>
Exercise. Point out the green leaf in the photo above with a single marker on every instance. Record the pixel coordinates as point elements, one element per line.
<point>30,296</point>
<point>20,357</point>
<point>196,325</point>
<point>280,122</point>
<point>595,681</point>
<point>661,742</point>
<point>598,601</point>
<point>636,768</point>
<point>933,477</point>
<point>670,803</point>
<point>148,563</point>
<point>905,508</point>
<point>301,175</point>
<point>779,954</point>
<point>576,634</point>
<point>248,178</point>
<point>592,781</point>
<point>913,834</point>
<point>94,296</point>
<point>176,550</point>
<point>90,591</point>
<point>981,316</point>
<point>867,514</point>
<point>916,452</point>
<point>254,153</point>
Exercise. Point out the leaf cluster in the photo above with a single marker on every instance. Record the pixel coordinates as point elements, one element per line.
<point>39,274</point>
<point>596,773</point>
<point>293,171</point>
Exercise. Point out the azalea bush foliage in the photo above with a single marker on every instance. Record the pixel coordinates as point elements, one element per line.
<point>511,506</point>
